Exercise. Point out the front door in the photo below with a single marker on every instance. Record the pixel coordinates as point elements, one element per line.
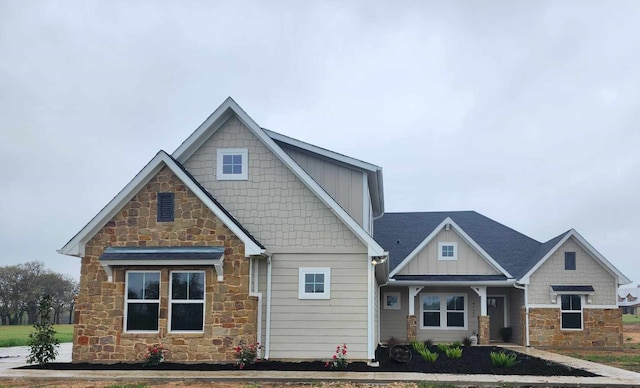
<point>495,310</point>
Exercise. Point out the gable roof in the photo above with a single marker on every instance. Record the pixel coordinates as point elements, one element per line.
<point>629,292</point>
<point>228,108</point>
<point>519,255</point>
<point>75,246</point>
<point>374,173</point>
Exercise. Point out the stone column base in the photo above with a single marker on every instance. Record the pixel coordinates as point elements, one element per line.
<point>483,330</point>
<point>412,327</point>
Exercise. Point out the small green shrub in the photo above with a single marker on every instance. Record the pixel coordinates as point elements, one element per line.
<point>154,356</point>
<point>503,360</point>
<point>428,343</point>
<point>456,344</point>
<point>466,341</point>
<point>417,346</point>
<point>443,347</point>
<point>247,354</point>
<point>428,355</point>
<point>454,352</point>
<point>43,343</point>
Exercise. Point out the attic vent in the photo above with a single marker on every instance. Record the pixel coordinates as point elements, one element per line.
<point>165,207</point>
<point>398,241</point>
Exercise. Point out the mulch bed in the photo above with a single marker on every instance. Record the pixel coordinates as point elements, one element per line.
<point>474,360</point>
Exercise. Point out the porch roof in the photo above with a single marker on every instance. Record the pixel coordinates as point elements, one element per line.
<point>452,278</point>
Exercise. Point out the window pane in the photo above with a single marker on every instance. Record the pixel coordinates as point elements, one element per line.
<point>237,159</point>
<point>455,319</point>
<point>135,288</point>
<point>142,316</point>
<point>319,288</point>
<point>572,320</point>
<point>431,302</point>
<point>227,169</point>
<point>237,169</point>
<point>179,281</point>
<point>308,278</point>
<point>576,302</point>
<point>187,316</point>
<point>196,285</point>
<point>565,302</point>
<point>431,319</point>
<point>227,159</point>
<point>319,278</point>
<point>308,288</point>
<point>151,285</point>
<point>455,303</point>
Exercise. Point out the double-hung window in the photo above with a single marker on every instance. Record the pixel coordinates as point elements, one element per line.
<point>142,301</point>
<point>571,312</point>
<point>186,302</point>
<point>441,311</point>
<point>232,164</point>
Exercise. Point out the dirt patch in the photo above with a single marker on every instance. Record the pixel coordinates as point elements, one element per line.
<point>198,384</point>
<point>474,360</point>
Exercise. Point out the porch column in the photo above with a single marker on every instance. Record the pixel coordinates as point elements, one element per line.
<point>412,322</point>
<point>483,318</point>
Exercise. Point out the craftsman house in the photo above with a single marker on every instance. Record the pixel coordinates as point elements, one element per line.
<point>629,300</point>
<point>244,235</point>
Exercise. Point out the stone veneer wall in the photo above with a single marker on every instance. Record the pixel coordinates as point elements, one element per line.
<point>230,313</point>
<point>602,328</point>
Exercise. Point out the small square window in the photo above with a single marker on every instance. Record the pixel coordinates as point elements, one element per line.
<point>232,164</point>
<point>392,301</point>
<point>165,207</point>
<point>570,261</point>
<point>314,283</point>
<point>447,251</point>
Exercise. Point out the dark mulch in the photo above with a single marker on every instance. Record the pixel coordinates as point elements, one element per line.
<point>474,360</point>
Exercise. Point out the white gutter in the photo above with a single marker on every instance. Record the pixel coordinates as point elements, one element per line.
<point>526,309</point>
<point>267,335</point>
<point>252,292</point>
<point>453,283</point>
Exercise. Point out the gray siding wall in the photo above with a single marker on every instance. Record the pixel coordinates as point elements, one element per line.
<point>469,262</point>
<point>516,306</point>
<point>273,204</point>
<point>311,329</point>
<point>343,184</point>
<point>588,272</point>
<point>393,323</point>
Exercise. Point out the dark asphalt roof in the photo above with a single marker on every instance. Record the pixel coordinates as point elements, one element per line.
<point>401,233</point>
<point>570,288</point>
<point>162,253</point>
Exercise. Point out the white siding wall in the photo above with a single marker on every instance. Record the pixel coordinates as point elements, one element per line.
<point>469,262</point>
<point>343,184</point>
<point>273,204</point>
<point>588,272</point>
<point>312,329</point>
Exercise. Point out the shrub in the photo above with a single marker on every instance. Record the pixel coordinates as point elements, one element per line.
<point>247,354</point>
<point>43,341</point>
<point>503,360</point>
<point>454,352</point>
<point>505,333</point>
<point>428,355</point>
<point>417,346</point>
<point>456,344</point>
<point>339,359</point>
<point>428,343</point>
<point>466,341</point>
<point>154,356</point>
<point>443,347</point>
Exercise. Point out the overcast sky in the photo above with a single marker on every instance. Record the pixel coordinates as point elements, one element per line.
<point>527,112</point>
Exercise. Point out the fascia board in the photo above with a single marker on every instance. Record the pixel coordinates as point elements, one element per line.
<point>479,249</point>
<point>75,247</point>
<point>589,248</point>
<point>491,283</point>
<point>374,249</point>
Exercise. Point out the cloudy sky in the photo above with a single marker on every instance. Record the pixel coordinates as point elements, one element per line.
<point>527,112</point>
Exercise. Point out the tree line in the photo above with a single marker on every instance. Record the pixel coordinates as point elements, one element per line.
<point>22,287</point>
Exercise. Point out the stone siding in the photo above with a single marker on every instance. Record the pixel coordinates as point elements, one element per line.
<point>602,329</point>
<point>230,313</point>
<point>412,328</point>
<point>484,337</point>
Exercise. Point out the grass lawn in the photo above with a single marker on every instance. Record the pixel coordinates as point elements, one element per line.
<point>628,319</point>
<point>18,335</point>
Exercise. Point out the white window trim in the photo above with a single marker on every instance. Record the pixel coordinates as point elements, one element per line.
<point>245,164</point>
<point>127,301</point>
<point>327,283</point>
<point>582,300</point>
<point>455,251</point>
<point>187,301</point>
<point>397,306</point>
<point>443,311</point>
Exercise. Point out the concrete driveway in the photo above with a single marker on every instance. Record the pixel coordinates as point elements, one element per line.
<point>16,356</point>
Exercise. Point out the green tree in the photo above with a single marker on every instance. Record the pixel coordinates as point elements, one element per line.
<point>43,341</point>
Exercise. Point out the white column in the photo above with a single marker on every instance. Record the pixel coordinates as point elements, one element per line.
<point>482,292</point>
<point>413,291</point>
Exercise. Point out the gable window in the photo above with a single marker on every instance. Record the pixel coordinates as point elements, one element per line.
<point>142,301</point>
<point>314,283</point>
<point>447,251</point>
<point>232,164</point>
<point>570,261</point>
<point>441,311</point>
<point>571,312</point>
<point>165,207</point>
<point>186,302</point>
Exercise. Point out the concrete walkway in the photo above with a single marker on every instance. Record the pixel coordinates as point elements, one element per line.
<point>610,376</point>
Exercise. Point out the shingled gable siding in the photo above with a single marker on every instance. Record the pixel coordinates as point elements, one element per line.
<point>230,314</point>
<point>343,184</point>
<point>273,203</point>
<point>469,262</point>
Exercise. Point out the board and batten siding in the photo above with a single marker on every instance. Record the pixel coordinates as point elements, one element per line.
<point>343,184</point>
<point>311,329</point>
<point>272,204</point>
<point>588,272</point>
<point>469,262</point>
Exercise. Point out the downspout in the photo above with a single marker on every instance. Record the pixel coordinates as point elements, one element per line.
<point>372,268</point>
<point>526,309</point>
<point>253,287</point>
<point>267,336</point>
